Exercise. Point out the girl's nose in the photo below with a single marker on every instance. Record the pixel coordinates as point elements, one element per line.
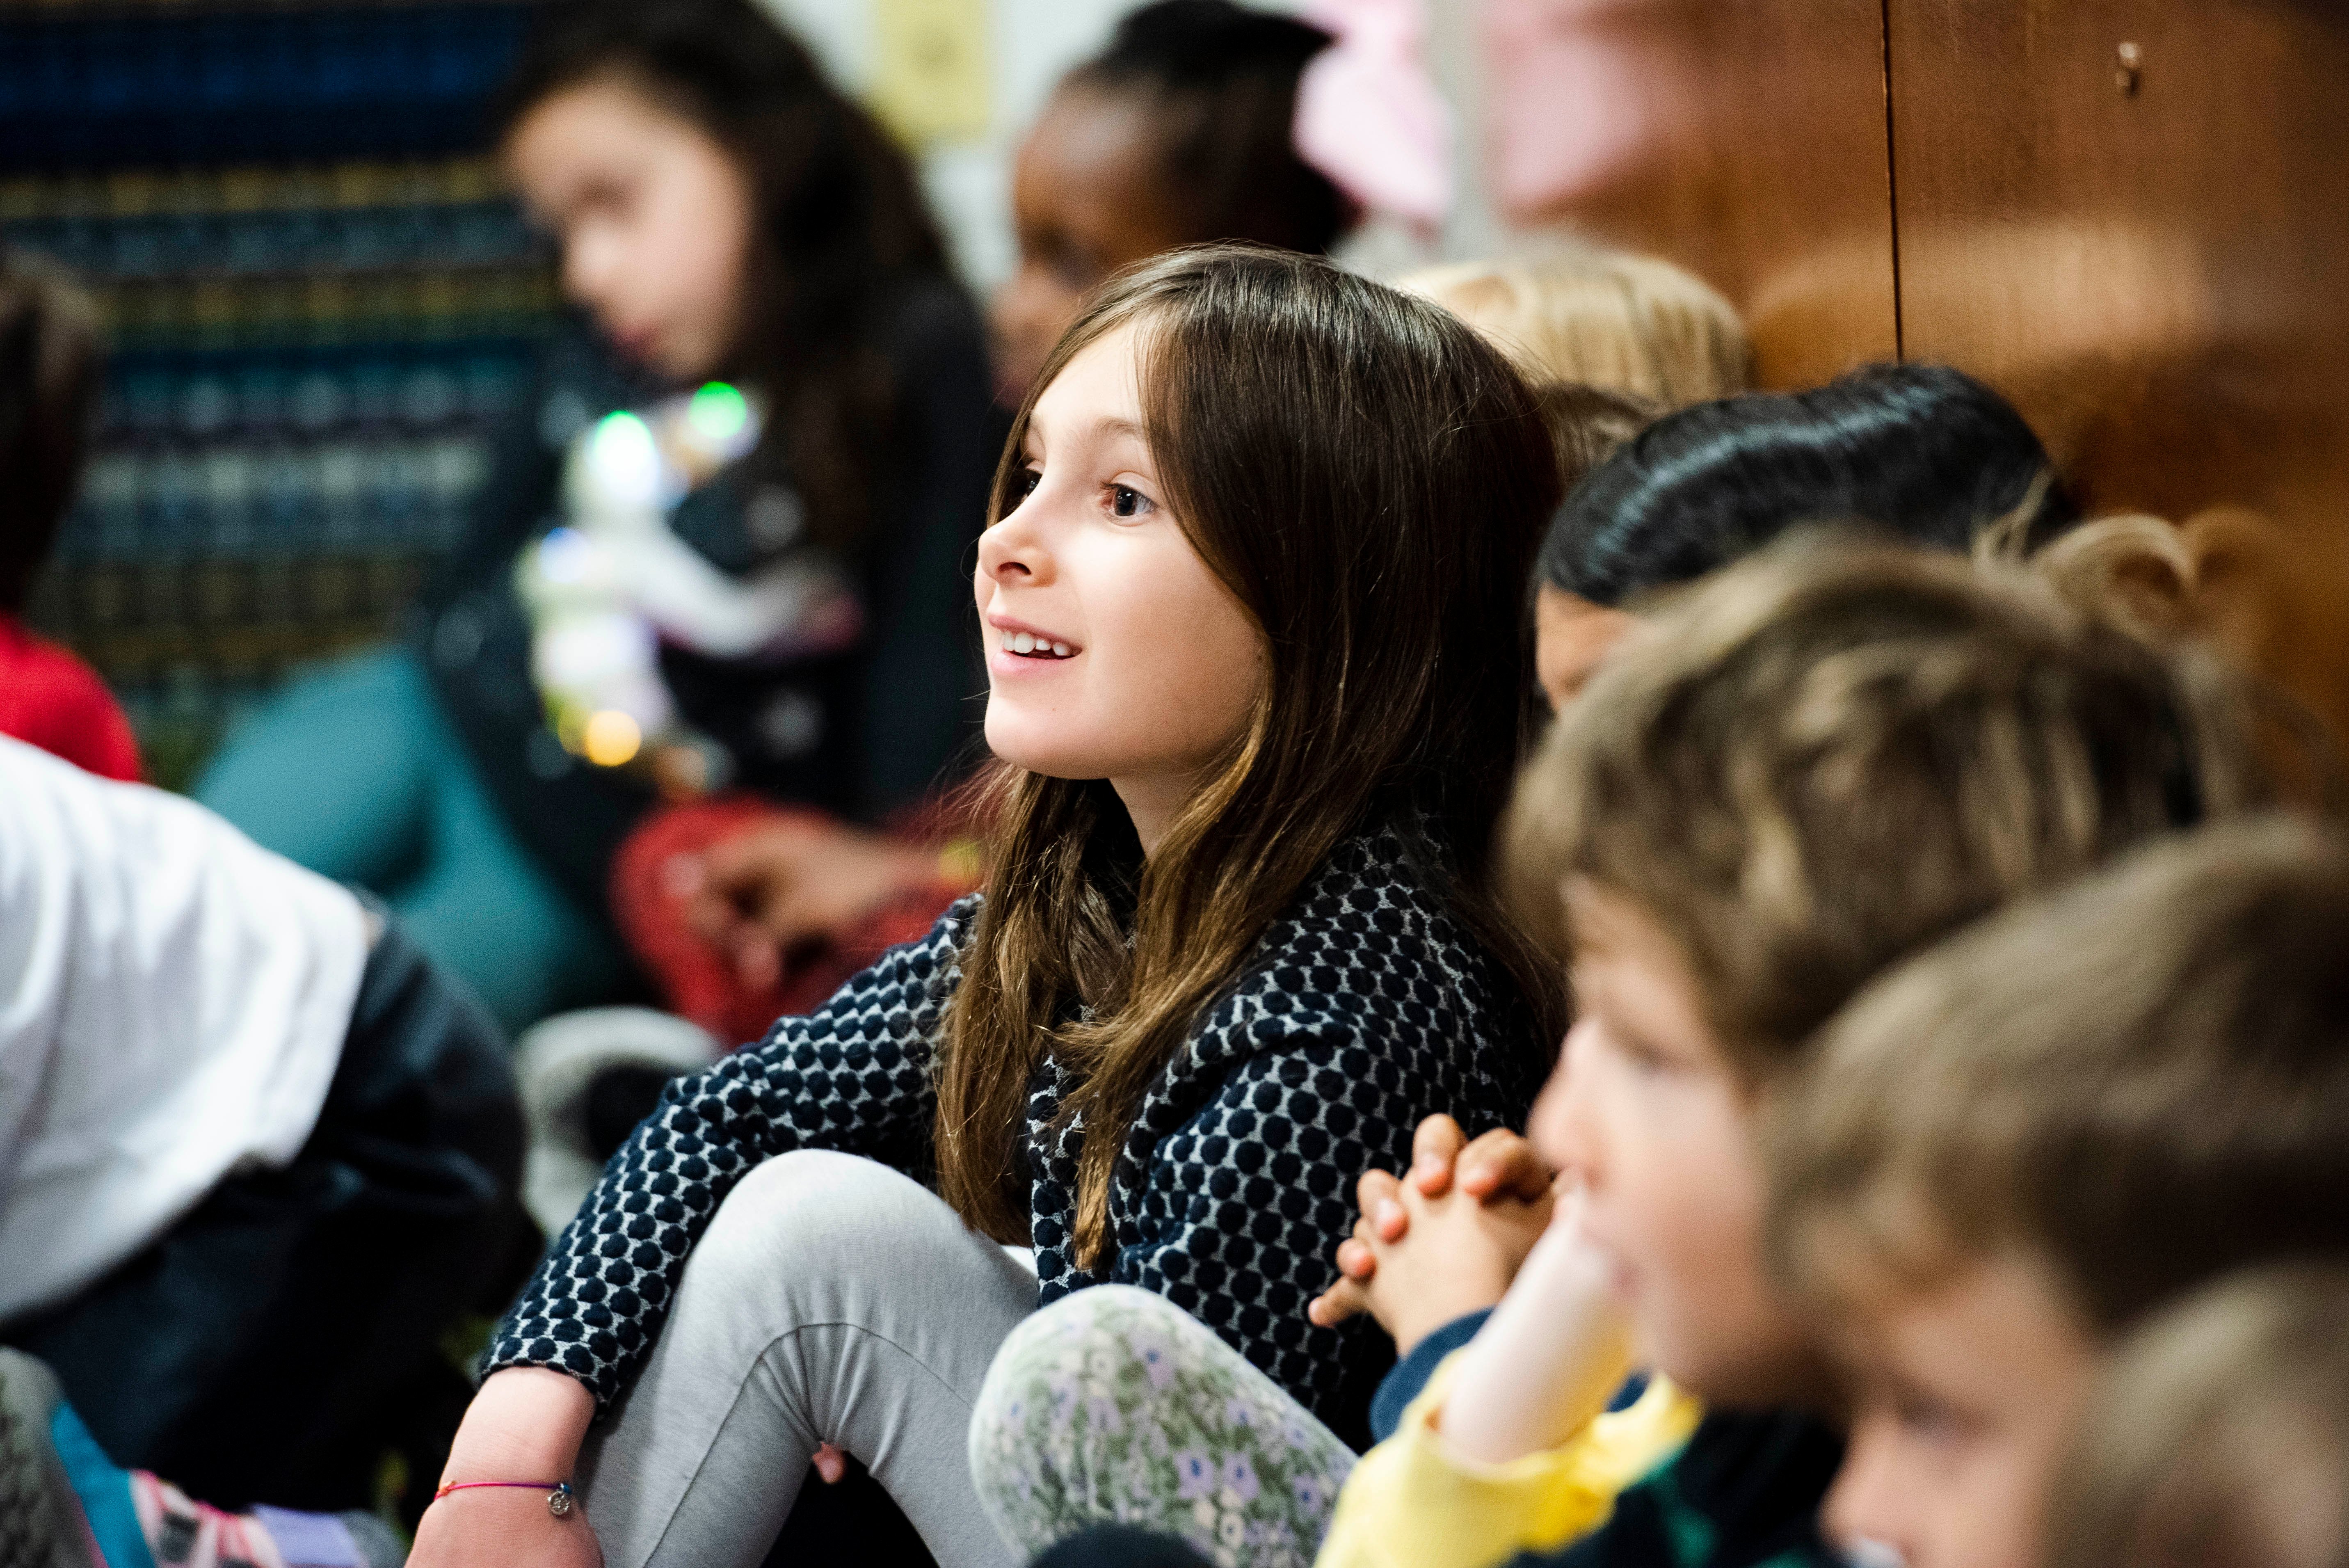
<point>1010,551</point>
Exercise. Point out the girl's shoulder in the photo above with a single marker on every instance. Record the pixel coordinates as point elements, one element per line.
<point>1368,950</point>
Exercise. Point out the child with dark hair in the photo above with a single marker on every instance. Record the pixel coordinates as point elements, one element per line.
<point>1179,132</point>
<point>49,359</point>
<point>2019,1147</point>
<point>724,544</point>
<point>1923,451</point>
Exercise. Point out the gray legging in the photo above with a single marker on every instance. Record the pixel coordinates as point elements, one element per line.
<point>832,1300</point>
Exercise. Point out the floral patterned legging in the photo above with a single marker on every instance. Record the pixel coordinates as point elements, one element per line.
<point>1113,1406</point>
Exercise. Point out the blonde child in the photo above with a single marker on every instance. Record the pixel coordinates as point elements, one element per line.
<point>2021,1145</point>
<point>2218,1436</point>
<point>1821,759</point>
<point>1603,317</point>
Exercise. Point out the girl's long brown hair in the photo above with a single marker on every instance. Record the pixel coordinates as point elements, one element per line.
<point>1370,480</point>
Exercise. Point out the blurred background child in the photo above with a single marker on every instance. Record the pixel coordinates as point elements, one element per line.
<point>779,564</point>
<point>2020,1145</point>
<point>264,1154</point>
<point>2218,1434</point>
<point>49,353</point>
<point>1923,451</point>
<point>1627,323</point>
<point>1181,131</point>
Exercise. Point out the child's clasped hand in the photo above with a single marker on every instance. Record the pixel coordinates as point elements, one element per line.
<point>1445,1239</point>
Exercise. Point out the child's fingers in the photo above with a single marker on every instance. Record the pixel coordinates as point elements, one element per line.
<point>1356,1261</point>
<point>1433,1148</point>
<point>830,1464</point>
<point>1389,1219</point>
<point>1336,1304</point>
<point>1376,1186</point>
<point>1501,1164</point>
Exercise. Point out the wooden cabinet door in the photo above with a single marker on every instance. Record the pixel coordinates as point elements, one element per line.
<point>2133,217</point>
<point>1742,139</point>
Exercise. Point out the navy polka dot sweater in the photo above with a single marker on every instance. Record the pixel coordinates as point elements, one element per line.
<point>1366,1008</point>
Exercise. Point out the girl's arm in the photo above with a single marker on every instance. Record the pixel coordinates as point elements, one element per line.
<point>1548,1359</point>
<point>853,1077</point>
<point>526,1424</point>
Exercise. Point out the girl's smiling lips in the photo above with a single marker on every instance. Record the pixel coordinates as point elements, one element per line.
<point>1018,646</point>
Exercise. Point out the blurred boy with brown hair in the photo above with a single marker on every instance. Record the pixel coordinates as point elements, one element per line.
<point>2020,1145</point>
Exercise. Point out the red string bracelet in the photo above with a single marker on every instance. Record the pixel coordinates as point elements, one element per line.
<point>559,1494</point>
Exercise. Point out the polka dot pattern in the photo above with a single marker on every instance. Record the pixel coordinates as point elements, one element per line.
<point>1366,1009</point>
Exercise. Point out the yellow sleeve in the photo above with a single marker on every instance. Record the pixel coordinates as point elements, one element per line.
<point>1412,1502</point>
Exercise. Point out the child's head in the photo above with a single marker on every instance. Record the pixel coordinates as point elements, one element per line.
<point>2218,1436</point>
<point>50,356</point>
<point>1921,451</point>
<point>1180,131</point>
<point>1244,618</point>
<point>724,210</point>
<point>2015,1147</point>
<point>1627,323</point>
<point>1818,760</point>
<point>1588,424</point>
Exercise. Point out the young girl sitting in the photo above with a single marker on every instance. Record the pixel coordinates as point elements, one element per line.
<point>1255,665</point>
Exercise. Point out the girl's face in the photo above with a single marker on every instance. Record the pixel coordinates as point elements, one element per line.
<point>1087,198</point>
<point>1112,650</point>
<point>655,217</point>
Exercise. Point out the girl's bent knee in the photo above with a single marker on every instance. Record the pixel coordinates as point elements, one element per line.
<point>812,1219</point>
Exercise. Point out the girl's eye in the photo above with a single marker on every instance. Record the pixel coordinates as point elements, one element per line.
<point>1024,484</point>
<point>1126,502</point>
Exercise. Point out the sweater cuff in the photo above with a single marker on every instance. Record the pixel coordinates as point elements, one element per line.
<point>1403,1382</point>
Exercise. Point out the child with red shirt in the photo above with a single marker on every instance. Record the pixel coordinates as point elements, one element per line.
<point>49,352</point>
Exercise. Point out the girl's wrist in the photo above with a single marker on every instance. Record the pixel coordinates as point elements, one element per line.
<point>526,1424</point>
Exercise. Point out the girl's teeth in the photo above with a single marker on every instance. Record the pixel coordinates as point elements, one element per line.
<point>1022,643</point>
<point>1059,650</point>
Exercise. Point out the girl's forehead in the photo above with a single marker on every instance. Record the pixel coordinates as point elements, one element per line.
<point>1099,387</point>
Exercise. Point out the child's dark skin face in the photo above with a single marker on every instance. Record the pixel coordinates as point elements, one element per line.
<point>1087,196</point>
